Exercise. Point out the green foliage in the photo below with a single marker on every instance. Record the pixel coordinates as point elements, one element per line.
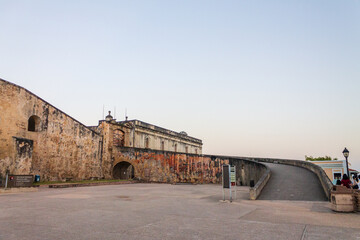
<point>326,158</point>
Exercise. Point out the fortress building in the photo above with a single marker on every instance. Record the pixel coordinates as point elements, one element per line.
<point>39,139</point>
<point>138,134</point>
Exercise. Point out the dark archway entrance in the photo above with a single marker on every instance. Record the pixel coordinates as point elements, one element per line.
<point>123,170</point>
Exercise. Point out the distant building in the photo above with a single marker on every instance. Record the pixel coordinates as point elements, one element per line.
<point>334,169</point>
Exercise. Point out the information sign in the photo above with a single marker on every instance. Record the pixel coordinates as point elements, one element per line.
<point>232,176</point>
<point>20,180</point>
<point>226,180</point>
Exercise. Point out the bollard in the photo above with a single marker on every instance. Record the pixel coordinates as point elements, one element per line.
<point>6,179</point>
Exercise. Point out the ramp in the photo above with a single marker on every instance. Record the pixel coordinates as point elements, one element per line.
<point>292,183</point>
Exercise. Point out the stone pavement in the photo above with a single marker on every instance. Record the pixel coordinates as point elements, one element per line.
<point>17,190</point>
<point>162,211</point>
<point>292,183</point>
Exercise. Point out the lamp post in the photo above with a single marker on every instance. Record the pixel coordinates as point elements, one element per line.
<point>346,154</point>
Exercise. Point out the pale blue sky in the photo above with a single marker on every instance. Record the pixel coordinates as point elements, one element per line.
<point>249,78</point>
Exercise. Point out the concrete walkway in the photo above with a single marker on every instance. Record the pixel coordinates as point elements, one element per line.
<point>292,183</point>
<point>162,211</point>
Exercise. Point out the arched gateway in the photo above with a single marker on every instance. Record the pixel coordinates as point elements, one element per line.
<point>123,170</point>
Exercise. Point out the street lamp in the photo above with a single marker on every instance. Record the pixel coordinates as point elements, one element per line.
<point>346,154</point>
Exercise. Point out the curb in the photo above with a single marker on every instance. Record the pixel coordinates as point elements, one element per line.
<point>18,190</point>
<point>71,185</point>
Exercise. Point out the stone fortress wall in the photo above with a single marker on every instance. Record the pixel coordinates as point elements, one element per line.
<point>171,167</point>
<point>38,138</point>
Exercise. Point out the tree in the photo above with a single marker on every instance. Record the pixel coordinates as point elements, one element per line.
<point>326,158</point>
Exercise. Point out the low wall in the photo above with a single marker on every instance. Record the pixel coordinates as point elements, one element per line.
<point>256,190</point>
<point>319,172</point>
<point>246,170</point>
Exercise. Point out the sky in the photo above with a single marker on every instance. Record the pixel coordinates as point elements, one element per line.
<point>274,78</point>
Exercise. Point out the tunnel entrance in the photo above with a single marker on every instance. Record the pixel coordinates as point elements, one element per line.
<point>123,170</point>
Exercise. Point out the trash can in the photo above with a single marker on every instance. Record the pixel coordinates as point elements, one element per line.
<point>252,183</point>
<point>37,178</point>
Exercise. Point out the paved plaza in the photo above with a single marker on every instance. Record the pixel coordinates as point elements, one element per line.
<point>163,211</point>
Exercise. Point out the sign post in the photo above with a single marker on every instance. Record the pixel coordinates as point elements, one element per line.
<point>19,181</point>
<point>232,181</point>
<point>6,179</point>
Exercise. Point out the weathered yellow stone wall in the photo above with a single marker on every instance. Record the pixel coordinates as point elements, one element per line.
<point>61,148</point>
<point>104,129</point>
<point>170,167</point>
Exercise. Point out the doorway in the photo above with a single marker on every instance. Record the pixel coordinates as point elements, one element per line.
<point>123,170</point>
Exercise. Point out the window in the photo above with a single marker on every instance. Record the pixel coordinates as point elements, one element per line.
<point>146,142</point>
<point>119,139</point>
<point>175,147</point>
<point>196,151</point>
<point>34,123</point>
<point>337,175</point>
<point>186,149</point>
<point>162,145</point>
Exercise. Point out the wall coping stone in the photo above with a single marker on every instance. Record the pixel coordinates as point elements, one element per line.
<point>259,186</point>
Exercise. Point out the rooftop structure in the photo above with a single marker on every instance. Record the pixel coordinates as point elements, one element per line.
<point>139,134</point>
